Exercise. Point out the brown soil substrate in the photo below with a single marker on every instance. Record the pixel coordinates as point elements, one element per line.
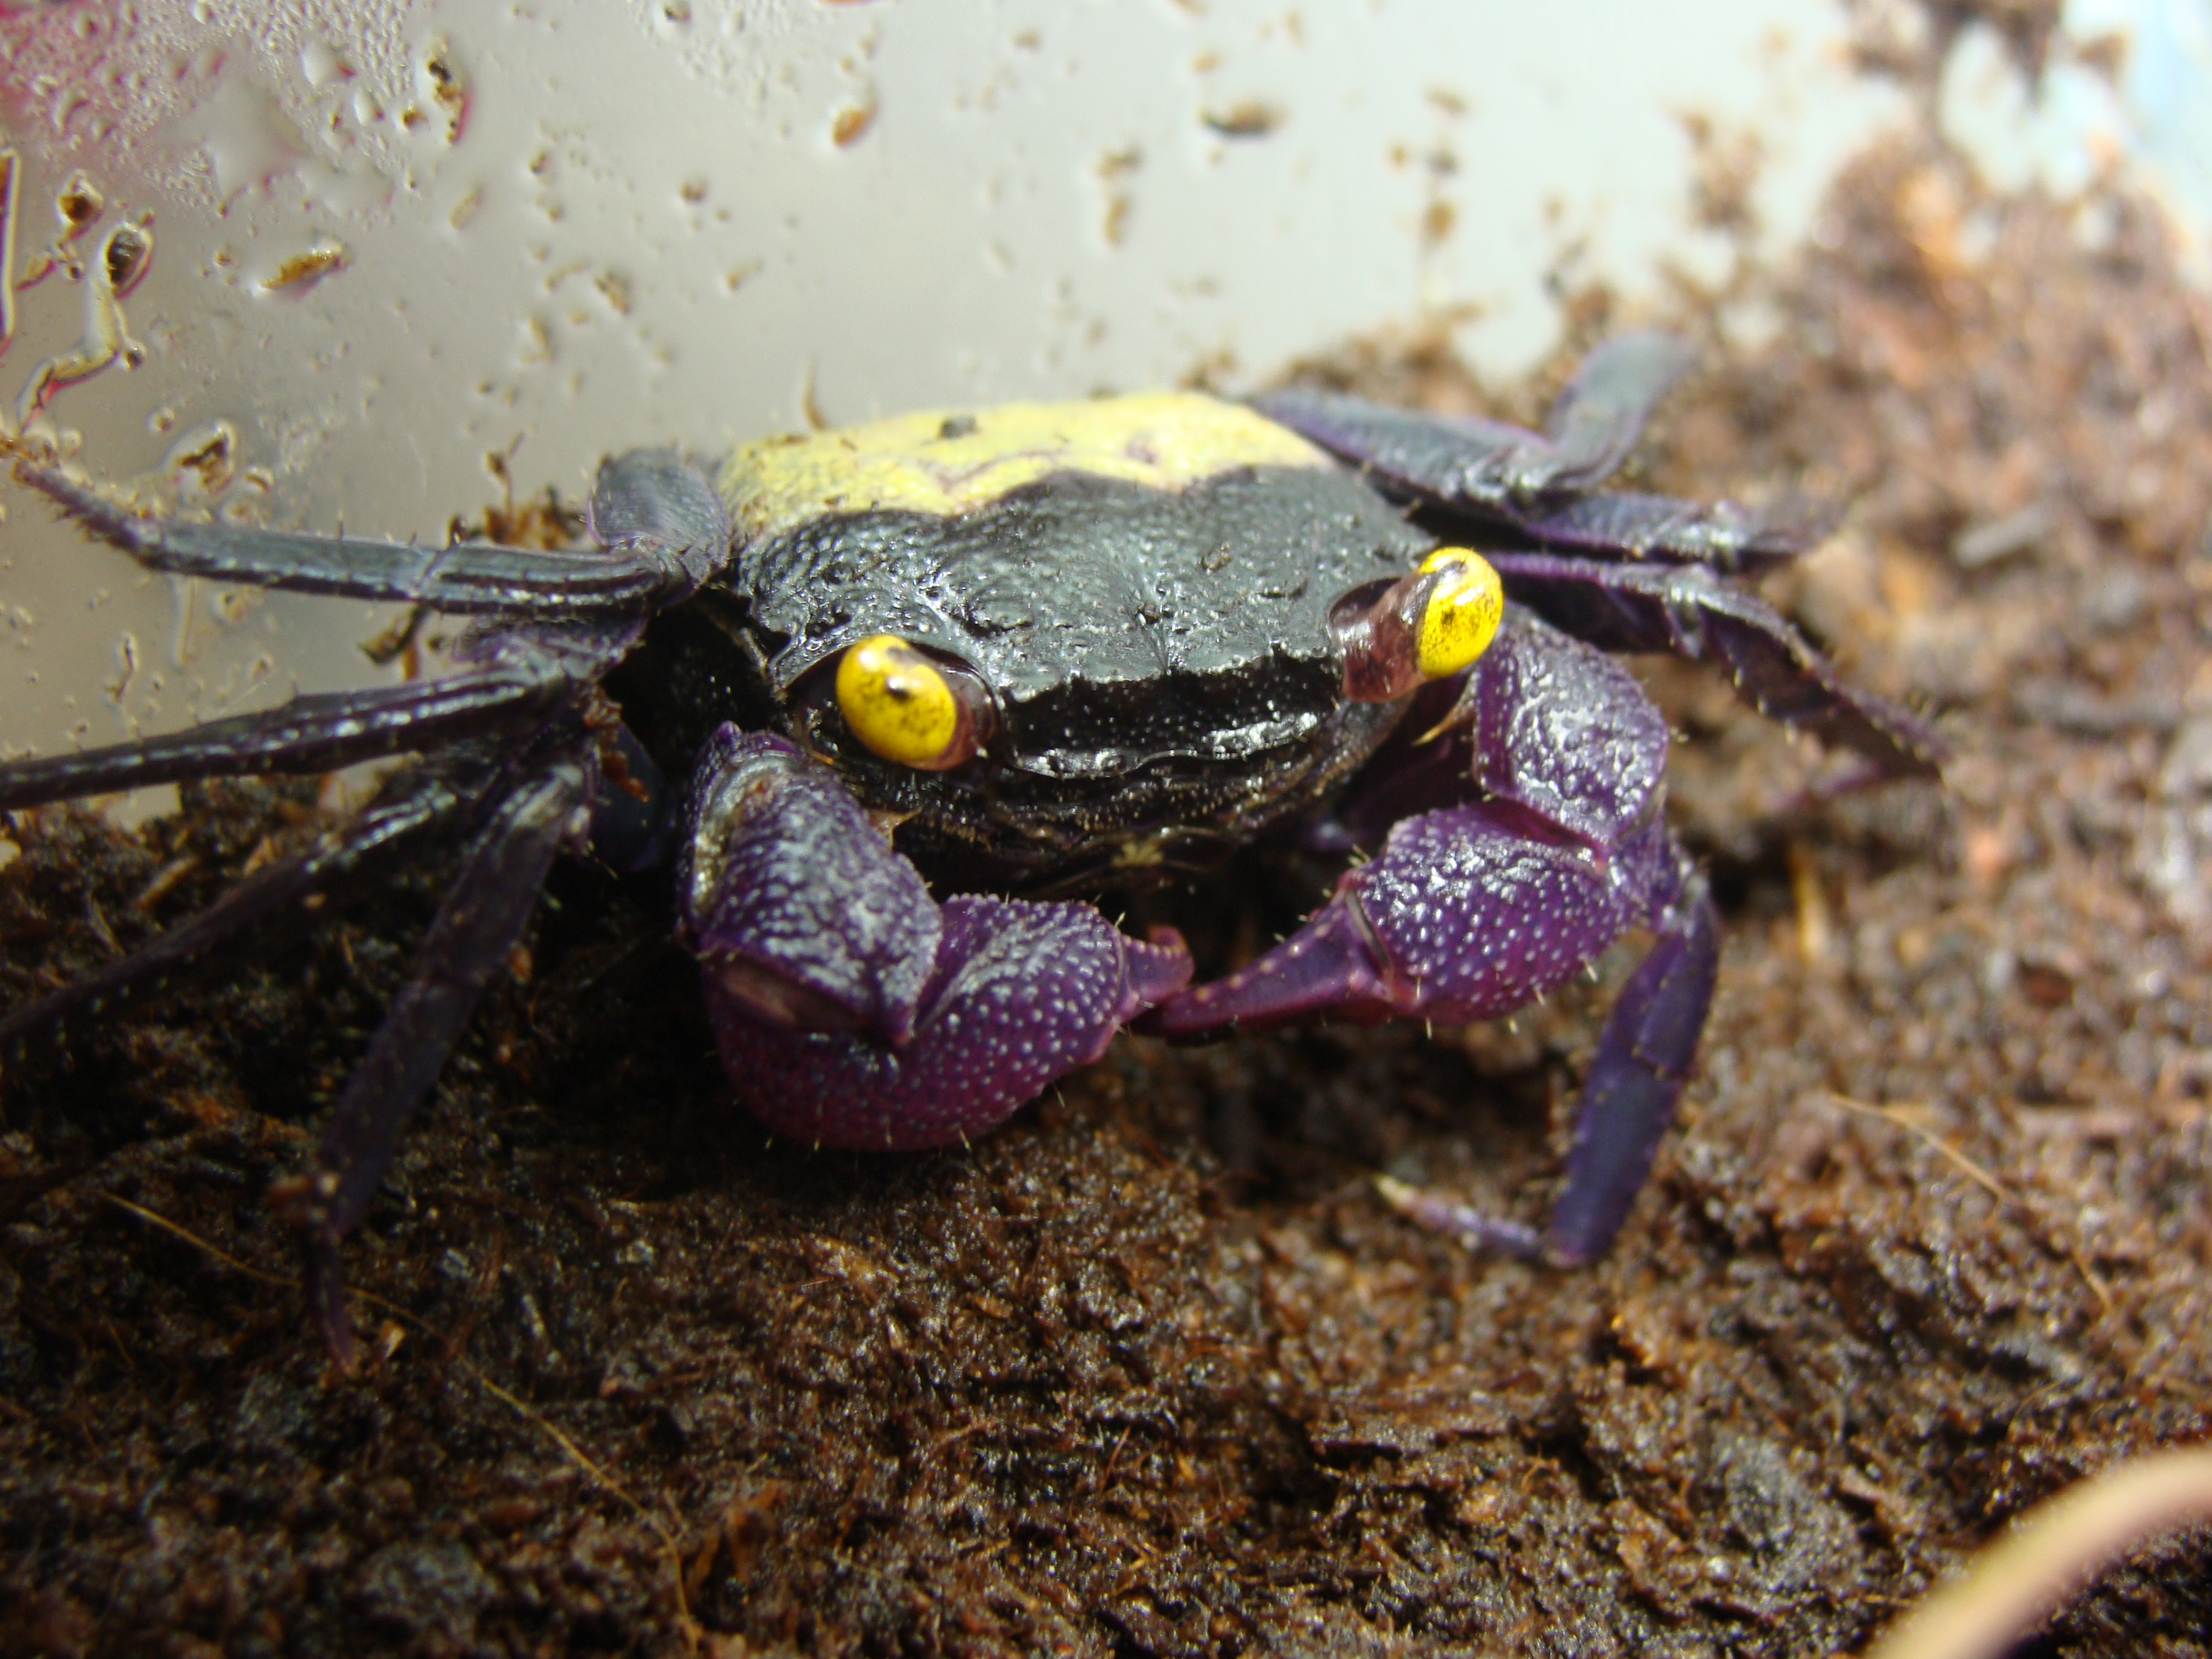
<point>1152,1371</point>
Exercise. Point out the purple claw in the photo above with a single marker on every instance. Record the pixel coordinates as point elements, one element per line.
<point>1021,994</point>
<point>793,900</point>
<point>1464,916</point>
<point>1476,908</point>
<point>851,1011</point>
<point>1459,920</point>
<point>1628,1100</point>
<point>1331,966</point>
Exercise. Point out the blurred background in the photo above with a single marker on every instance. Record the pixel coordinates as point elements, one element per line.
<point>391,241</point>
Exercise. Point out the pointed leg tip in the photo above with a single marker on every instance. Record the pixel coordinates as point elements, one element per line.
<point>324,1294</point>
<point>1159,967</point>
<point>1462,1222</point>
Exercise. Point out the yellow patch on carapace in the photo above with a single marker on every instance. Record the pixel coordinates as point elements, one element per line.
<point>946,462</point>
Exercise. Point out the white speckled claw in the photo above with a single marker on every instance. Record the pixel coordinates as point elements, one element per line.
<point>1463,917</point>
<point>1519,838</point>
<point>851,1008</point>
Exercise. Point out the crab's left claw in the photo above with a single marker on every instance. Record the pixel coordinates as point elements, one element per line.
<point>1466,915</point>
<point>850,1009</point>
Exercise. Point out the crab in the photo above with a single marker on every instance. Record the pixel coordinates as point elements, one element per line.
<point>938,682</point>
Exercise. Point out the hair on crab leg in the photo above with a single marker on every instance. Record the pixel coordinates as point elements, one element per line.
<point>467,577</point>
<point>485,909</point>
<point>315,733</point>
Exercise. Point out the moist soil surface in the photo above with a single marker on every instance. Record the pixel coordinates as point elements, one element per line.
<point>1152,1369</point>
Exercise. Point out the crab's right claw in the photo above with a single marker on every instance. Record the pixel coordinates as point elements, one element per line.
<point>850,1009</point>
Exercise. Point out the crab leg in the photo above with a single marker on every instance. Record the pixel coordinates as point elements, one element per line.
<point>417,805</point>
<point>1487,463</point>
<point>1449,469</point>
<point>518,794</point>
<point>851,1009</point>
<point>317,733</point>
<point>642,569</point>
<point>1642,1060</point>
<point>486,907</point>
<point>1657,607</point>
<point>649,503</point>
<point>1628,1100</point>
<point>1479,470</point>
<point>1624,524</point>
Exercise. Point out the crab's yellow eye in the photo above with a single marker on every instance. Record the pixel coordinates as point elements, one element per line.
<point>1462,611</point>
<point>908,708</point>
<point>1427,625</point>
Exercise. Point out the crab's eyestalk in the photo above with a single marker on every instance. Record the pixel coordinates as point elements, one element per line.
<point>1425,626</point>
<point>909,708</point>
